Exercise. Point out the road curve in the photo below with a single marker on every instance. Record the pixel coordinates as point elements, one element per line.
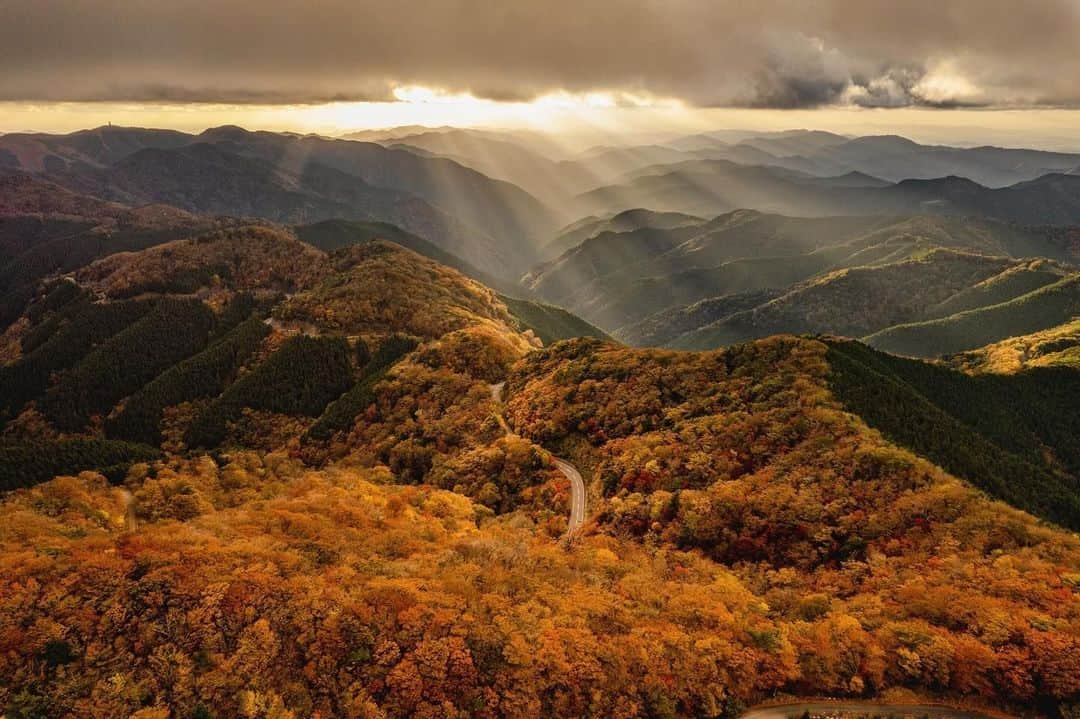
<point>856,708</point>
<point>577,483</point>
<point>577,494</point>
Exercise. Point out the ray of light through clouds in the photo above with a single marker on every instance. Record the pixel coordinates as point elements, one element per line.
<point>583,125</point>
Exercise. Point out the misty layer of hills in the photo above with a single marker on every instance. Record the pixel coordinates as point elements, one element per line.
<point>694,242</point>
<point>746,274</point>
<point>293,179</point>
<point>791,170</point>
<point>718,238</point>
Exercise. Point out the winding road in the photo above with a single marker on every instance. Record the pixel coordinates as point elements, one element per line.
<point>577,483</point>
<point>849,708</point>
<point>577,494</point>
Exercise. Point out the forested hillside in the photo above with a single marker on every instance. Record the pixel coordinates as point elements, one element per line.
<point>1016,436</point>
<point>46,229</point>
<point>1057,346</point>
<point>731,498</point>
<point>1038,310</point>
<point>854,302</point>
<point>550,323</point>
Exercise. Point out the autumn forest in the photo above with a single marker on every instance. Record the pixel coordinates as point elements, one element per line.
<point>336,523</point>
<point>460,360</point>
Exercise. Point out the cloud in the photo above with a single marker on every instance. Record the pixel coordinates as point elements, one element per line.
<point>769,53</point>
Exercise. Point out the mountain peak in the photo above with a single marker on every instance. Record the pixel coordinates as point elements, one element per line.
<point>226,132</point>
<point>895,142</point>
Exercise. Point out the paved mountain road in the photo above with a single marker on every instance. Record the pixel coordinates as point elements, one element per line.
<point>577,494</point>
<point>855,709</point>
<point>577,483</point>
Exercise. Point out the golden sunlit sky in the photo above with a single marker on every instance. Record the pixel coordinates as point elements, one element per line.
<point>592,119</point>
<point>962,71</point>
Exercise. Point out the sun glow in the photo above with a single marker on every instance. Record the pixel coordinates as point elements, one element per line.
<point>418,94</point>
<point>577,119</point>
<point>430,106</point>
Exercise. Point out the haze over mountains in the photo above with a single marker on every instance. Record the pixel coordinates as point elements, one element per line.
<point>295,179</point>
<point>694,232</point>
<point>861,161</point>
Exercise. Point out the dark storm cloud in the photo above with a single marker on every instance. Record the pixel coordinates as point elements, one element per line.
<point>766,53</point>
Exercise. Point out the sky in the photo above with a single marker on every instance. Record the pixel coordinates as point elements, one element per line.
<point>961,71</point>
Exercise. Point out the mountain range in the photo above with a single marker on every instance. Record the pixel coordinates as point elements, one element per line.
<point>665,275</point>
<point>246,335</point>
<point>747,274</point>
<point>289,178</point>
<point>709,187</point>
<point>552,172</point>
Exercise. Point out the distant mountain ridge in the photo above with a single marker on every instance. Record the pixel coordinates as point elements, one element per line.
<point>842,161</point>
<point>293,178</point>
<point>889,157</point>
<point>205,178</point>
<point>709,187</point>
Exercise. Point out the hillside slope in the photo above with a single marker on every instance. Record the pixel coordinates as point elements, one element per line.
<point>550,323</point>
<point>1051,305</point>
<point>1015,436</point>
<point>854,302</point>
<point>45,229</point>
<point>665,327</point>
<point>1049,348</point>
<point>1010,284</point>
